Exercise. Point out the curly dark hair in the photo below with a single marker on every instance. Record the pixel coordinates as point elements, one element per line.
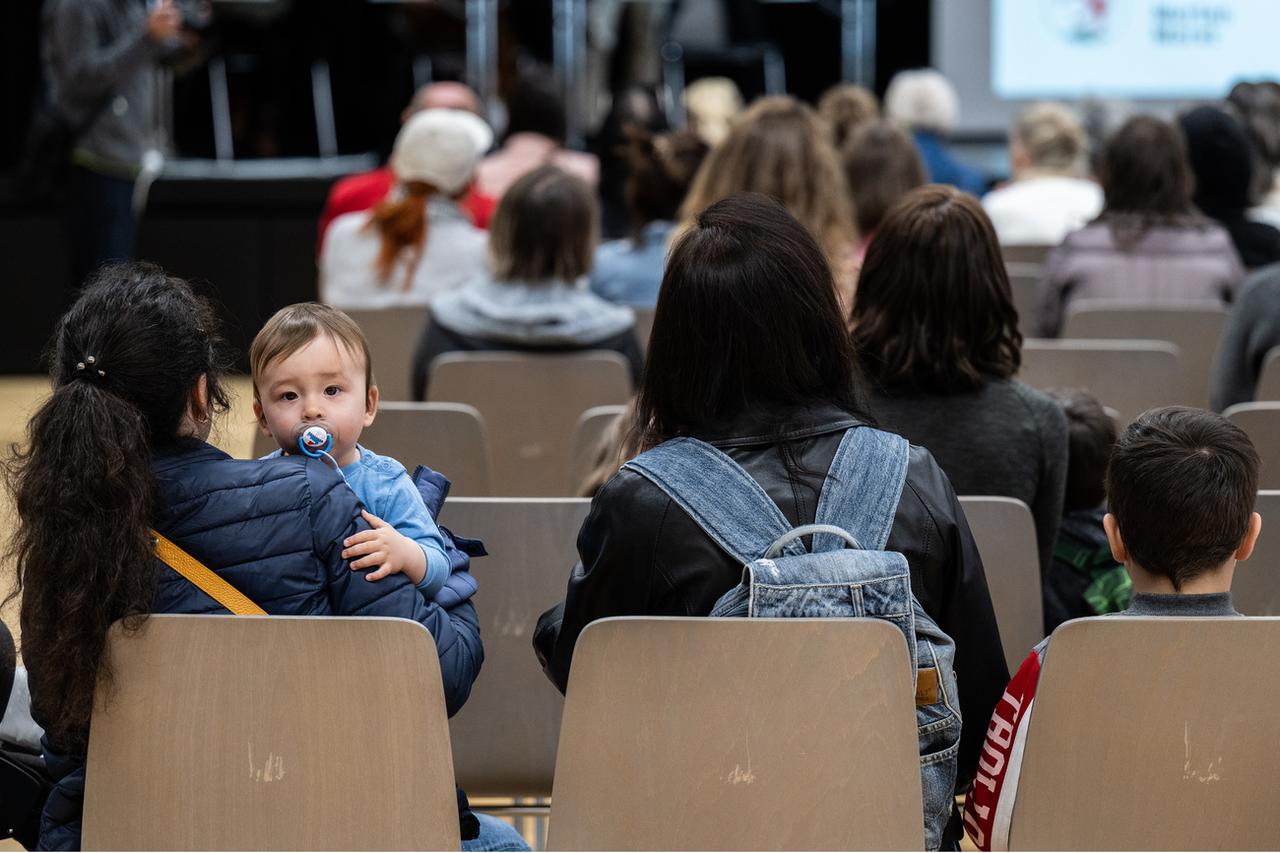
<point>124,361</point>
<point>933,311</point>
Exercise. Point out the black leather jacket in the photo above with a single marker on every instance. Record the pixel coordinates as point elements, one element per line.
<point>641,554</point>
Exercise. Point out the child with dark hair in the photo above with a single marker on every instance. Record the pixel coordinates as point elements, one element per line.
<point>1083,578</point>
<point>1181,487</point>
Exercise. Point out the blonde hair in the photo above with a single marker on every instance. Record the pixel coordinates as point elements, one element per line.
<point>846,107</point>
<point>1052,138</point>
<point>294,326</point>
<point>779,147</point>
<point>923,98</point>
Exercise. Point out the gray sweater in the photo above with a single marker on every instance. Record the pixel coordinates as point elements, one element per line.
<point>1252,330</point>
<point>1004,439</point>
<point>97,57</point>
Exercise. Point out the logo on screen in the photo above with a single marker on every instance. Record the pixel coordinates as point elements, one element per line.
<point>1079,20</point>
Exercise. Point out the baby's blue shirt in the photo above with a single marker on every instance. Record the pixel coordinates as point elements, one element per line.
<point>386,489</point>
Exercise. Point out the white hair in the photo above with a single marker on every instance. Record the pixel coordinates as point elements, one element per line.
<point>923,99</point>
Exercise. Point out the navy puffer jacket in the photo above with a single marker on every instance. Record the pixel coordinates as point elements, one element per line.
<point>274,529</point>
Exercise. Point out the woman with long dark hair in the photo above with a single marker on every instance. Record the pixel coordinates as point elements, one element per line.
<point>117,451</point>
<point>937,338</point>
<point>1149,244</point>
<point>750,353</point>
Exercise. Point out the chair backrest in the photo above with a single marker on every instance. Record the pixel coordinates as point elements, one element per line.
<point>1255,587</point>
<point>1024,285</point>
<point>592,427</point>
<point>531,404</point>
<point>738,734</point>
<point>1159,733</point>
<point>271,733</point>
<point>504,738</point>
<point>449,437</point>
<point>1261,421</point>
<point>1005,533</point>
<point>644,327</point>
<point>1031,254</point>
<point>1269,377</point>
<point>1195,327</point>
<point>393,335</point>
<point>1129,376</point>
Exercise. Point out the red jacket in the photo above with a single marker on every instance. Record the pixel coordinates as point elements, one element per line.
<point>365,190</point>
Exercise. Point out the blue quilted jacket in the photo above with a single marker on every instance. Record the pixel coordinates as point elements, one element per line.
<point>274,529</point>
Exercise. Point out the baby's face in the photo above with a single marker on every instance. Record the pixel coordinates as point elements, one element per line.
<point>320,384</point>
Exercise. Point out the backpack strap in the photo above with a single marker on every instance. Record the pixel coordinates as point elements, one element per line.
<point>863,486</point>
<point>730,507</point>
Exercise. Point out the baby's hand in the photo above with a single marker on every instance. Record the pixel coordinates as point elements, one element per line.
<point>386,548</point>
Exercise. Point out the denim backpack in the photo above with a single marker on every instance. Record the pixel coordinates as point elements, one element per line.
<point>781,579</point>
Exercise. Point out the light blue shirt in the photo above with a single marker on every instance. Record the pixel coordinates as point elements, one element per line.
<point>386,489</point>
<point>627,273</point>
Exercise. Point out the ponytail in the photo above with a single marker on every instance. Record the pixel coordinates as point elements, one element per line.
<point>125,359</point>
<point>401,222</point>
<point>84,499</point>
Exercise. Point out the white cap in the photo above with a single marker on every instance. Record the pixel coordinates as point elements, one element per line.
<point>441,148</point>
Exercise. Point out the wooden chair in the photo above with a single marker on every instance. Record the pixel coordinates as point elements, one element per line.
<point>1262,423</point>
<point>271,733</point>
<point>448,437</point>
<point>738,734</point>
<point>1024,284</point>
<point>644,326</point>
<point>1269,377</point>
<point>1031,255</point>
<point>1005,533</point>
<point>504,738</point>
<point>587,438</point>
<point>393,336</point>
<point>1129,376</point>
<point>1194,327</point>
<point>1255,587</point>
<point>1153,734</point>
<point>531,405</point>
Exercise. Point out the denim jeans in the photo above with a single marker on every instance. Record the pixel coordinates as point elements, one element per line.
<point>100,220</point>
<point>495,834</point>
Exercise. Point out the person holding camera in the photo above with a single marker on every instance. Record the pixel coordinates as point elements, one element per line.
<point>102,61</point>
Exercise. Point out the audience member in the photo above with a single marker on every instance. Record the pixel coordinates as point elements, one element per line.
<point>1083,579</point>
<point>750,352</point>
<point>118,451</point>
<point>16,726</point>
<point>537,127</point>
<point>661,168</point>
<point>366,190</point>
<point>417,242</point>
<point>1048,198</point>
<point>845,108</point>
<point>1149,244</point>
<point>1253,330</point>
<point>937,336</point>
<point>779,147</point>
<point>1258,106</point>
<point>1181,487</point>
<point>634,111</point>
<point>713,104</point>
<point>926,103</point>
<point>311,367</point>
<point>881,165</point>
<point>1222,166</point>
<point>541,243</point>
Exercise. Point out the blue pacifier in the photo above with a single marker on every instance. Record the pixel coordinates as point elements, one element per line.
<point>315,441</point>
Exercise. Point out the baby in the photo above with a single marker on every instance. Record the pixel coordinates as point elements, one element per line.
<point>310,367</point>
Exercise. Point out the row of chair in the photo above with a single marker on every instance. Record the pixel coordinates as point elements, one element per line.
<point>678,733</point>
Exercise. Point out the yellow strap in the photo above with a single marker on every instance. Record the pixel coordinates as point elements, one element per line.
<point>210,582</point>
